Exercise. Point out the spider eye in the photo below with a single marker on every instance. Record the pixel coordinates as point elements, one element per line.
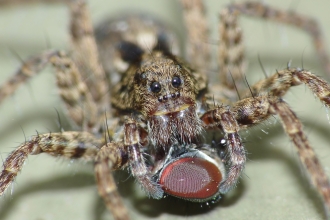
<point>155,87</point>
<point>176,81</point>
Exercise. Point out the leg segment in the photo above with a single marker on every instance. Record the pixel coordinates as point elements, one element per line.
<point>138,166</point>
<point>278,84</point>
<point>30,68</point>
<point>82,82</point>
<point>225,120</point>
<point>231,59</point>
<point>85,53</point>
<point>231,54</point>
<point>252,111</point>
<point>198,48</point>
<point>293,128</point>
<point>81,107</point>
<point>111,157</point>
<point>72,145</point>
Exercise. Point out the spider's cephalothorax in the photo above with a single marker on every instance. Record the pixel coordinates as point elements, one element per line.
<point>159,110</point>
<point>163,91</point>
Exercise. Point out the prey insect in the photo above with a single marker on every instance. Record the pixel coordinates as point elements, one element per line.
<point>162,107</point>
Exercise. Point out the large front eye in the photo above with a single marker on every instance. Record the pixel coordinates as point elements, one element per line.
<point>155,87</point>
<point>176,81</point>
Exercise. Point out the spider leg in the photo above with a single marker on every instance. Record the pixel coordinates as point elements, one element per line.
<point>111,156</point>
<point>231,57</point>
<point>198,48</point>
<point>85,53</point>
<point>72,145</point>
<point>138,166</point>
<point>279,83</point>
<point>117,155</point>
<point>80,105</point>
<point>81,81</point>
<point>231,54</point>
<point>293,128</point>
<point>225,120</point>
<point>254,110</point>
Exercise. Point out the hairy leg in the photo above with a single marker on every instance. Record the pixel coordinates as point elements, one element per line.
<point>85,53</point>
<point>72,145</point>
<point>198,47</point>
<point>139,169</point>
<point>231,50</point>
<point>112,156</point>
<point>254,110</point>
<point>279,83</point>
<point>223,118</point>
<point>75,93</point>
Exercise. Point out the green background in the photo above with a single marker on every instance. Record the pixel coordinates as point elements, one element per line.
<point>273,185</point>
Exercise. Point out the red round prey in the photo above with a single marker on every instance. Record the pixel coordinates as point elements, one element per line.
<point>191,178</point>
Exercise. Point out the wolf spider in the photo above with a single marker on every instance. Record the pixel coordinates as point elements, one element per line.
<point>255,105</point>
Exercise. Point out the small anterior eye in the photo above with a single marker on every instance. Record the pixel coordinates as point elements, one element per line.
<point>176,81</point>
<point>155,87</point>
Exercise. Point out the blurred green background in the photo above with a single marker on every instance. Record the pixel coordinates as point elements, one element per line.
<point>273,185</point>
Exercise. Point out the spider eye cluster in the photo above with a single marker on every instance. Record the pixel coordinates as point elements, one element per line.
<point>155,86</point>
